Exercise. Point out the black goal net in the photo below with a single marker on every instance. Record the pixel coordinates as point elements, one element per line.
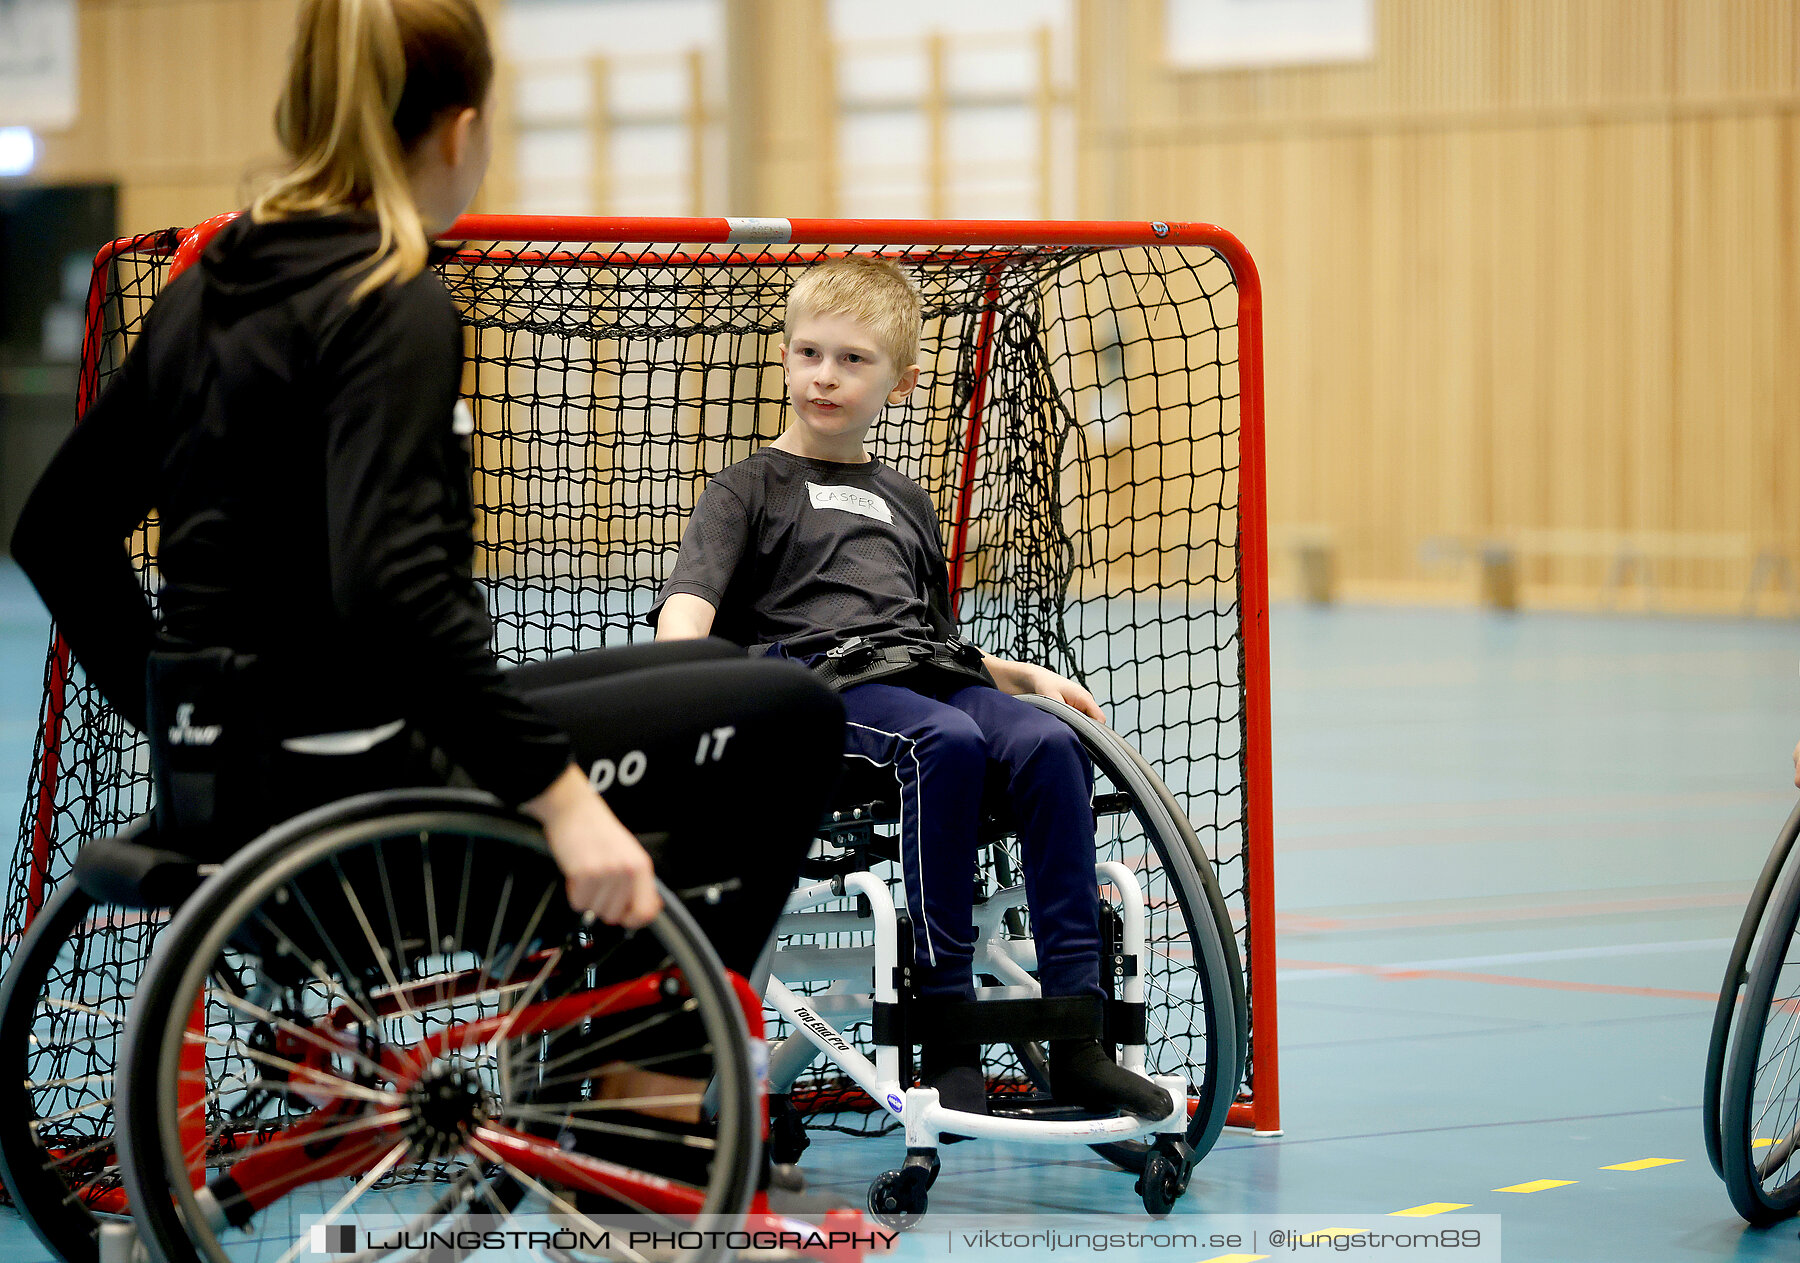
<point>1078,424</point>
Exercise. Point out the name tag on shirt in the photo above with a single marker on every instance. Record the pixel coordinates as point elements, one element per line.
<point>850,500</point>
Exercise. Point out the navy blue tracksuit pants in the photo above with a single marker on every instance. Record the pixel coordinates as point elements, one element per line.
<point>943,748</point>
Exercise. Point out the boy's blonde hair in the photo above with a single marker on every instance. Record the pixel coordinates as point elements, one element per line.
<point>873,292</point>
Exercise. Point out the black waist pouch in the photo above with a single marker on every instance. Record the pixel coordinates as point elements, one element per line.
<point>946,665</point>
<point>207,744</point>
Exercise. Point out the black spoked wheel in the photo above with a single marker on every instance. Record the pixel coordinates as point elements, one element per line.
<point>1759,1131</point>
<point>1193,981</point>
<point>62,1010</point>
<point>1737,974</point>
<point>386,1011</point>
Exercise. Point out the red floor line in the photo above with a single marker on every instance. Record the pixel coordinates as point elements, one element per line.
<point>1300,922</point>
<point>1386,813</point>
<point>1484,834</point>
<point>1498,980</point>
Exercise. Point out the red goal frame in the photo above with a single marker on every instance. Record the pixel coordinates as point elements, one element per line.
<point>1262,1113</point>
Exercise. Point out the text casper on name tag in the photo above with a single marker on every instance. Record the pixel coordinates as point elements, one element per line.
<point>850,500</point>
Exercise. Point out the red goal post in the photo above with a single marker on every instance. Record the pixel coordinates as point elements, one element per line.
<point>1091,429</point>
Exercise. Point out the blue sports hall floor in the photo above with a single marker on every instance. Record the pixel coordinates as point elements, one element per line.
<point>1512,853</point>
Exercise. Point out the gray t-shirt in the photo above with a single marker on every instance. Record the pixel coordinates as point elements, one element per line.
<point>808,553</point>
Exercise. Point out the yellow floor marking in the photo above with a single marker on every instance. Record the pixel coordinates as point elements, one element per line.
<point>1761,1144</point>
<point>1234,1258</point>
<point>1534,1186</point>
<point>1430,1208</point>
<point>1642,1164</point>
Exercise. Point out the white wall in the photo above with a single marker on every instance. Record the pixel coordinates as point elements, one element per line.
<point>549,43</point>
<point>993,165</point>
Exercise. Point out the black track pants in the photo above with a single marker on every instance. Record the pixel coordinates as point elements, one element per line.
<point>733,758</point>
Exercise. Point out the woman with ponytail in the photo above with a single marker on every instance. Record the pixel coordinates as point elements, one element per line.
<point>291,413</point>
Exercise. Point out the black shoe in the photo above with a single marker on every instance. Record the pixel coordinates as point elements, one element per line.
<point>1082,1074</point>
<point>787,1130</point>
<point>955,1071</point>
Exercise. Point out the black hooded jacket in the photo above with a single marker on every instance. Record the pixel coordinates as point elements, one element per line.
<point>313,501</point>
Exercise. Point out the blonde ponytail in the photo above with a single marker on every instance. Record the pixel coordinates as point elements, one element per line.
<point>367,79</point>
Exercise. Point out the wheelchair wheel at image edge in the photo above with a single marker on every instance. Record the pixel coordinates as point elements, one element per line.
<point>1202,907</point>
<point>1743,1164</point>
<point>151,1148</point>
<point>55,1211</point>
<point>1737,973</point>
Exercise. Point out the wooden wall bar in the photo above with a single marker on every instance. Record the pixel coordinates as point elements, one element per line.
<point>178,105</point>
<point>1531,276</point>
<point>1533,272</point>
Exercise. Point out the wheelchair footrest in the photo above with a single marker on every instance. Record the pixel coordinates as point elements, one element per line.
<point>990,1021</point>
<point>1004,1106</point>
<point>120,1243</point>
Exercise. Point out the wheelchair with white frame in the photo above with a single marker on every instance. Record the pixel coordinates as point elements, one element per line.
<point>1176,1010</point>
<point>382,1007</point>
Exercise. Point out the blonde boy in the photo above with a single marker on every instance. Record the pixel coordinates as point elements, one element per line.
<point>812,549</point>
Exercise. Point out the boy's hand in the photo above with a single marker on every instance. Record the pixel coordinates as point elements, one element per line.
<point>1019,678</point>
<point>1797,767</point>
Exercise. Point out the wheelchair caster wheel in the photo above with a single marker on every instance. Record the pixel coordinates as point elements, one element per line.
<point>1180,1155</point>
<point>1161,1184</point>
<point>897,1198</point>
<point>787,1131</point>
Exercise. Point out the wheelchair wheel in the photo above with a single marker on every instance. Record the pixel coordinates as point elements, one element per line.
<point>386,1011</point>
<point>62,1008</point>
<point>1760,1128</point>
<point>1194,983</point>
<point>1737,973</point>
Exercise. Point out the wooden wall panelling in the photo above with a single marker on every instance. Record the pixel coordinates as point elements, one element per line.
<point>1534,266</point>
<point>1628,200</point>
<point>696,118</point>
<point>1431,465</point>
<point>177,104</point>
<point>1742,432</point>
<point>1782,473</point>
<point>1374,286</point>
<point>1459,404</point>
<point>600,130</point>
<point>1568,469</point>
<point>781,138</point>
<point>499,194</point>
<point>1567,228</point>
<point>1769,354</point>
<point>1515,243</point>
<point>1749,248</point>
<point>1647,324</point>
<point>1355,498</point>
<point>1699,344</point>
<point>1733,48</point>
<point>1291,364</point>
<point>1044,104</point>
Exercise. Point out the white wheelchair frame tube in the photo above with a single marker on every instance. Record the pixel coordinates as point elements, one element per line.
<point>918,1109</point>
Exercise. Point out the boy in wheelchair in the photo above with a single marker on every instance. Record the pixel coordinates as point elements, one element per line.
<point>810,549</point>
